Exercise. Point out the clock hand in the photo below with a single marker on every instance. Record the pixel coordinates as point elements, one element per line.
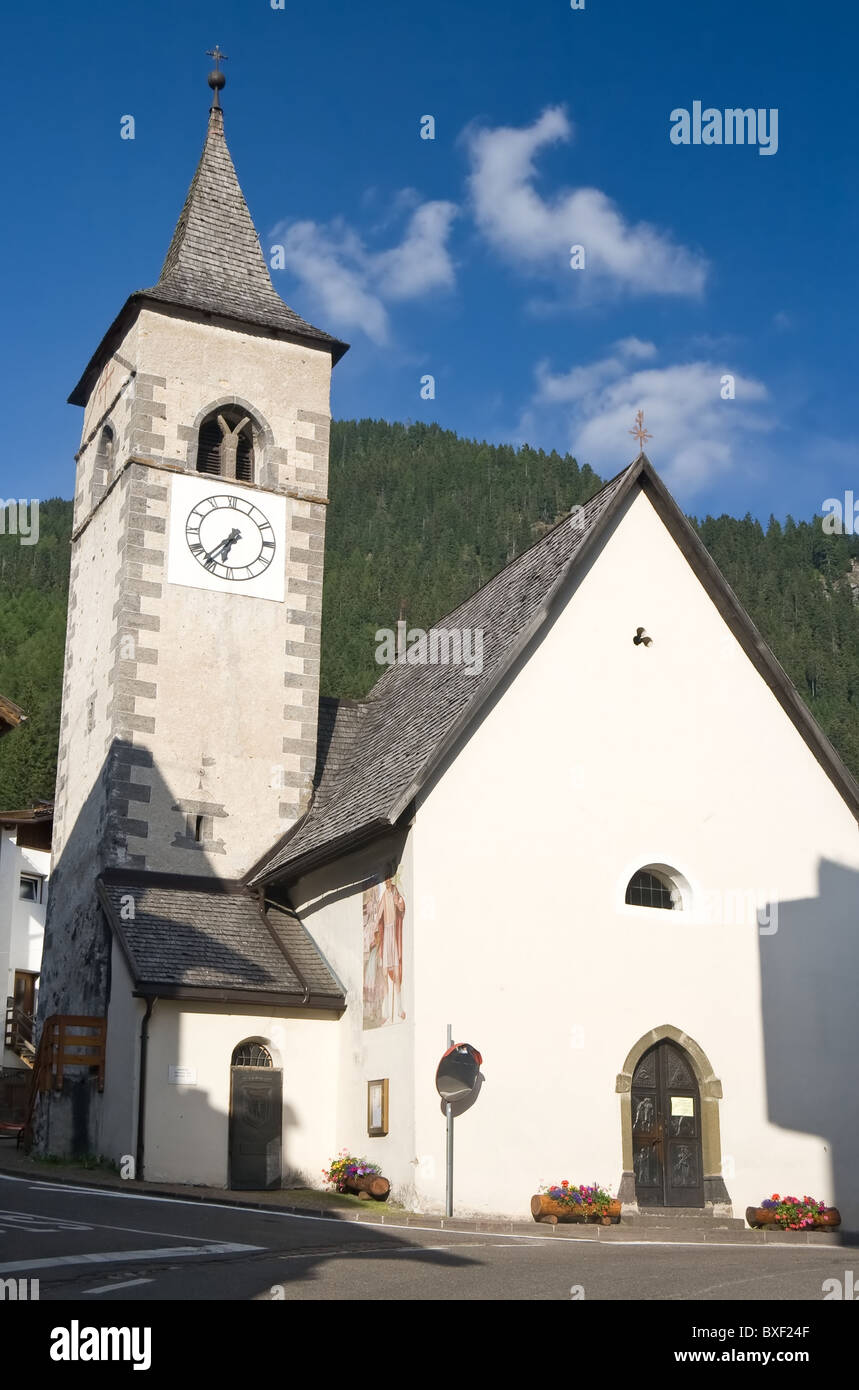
<point>223,548</point>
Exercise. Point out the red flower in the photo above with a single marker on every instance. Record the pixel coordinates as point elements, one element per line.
<point>775,1197</point>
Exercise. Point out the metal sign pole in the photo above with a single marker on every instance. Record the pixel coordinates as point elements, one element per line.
<point>448,1205</point>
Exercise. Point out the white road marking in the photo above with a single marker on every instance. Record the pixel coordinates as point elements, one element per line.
<point>34,1223</point>
<point>109,1288</point>
<point>131,1256</point>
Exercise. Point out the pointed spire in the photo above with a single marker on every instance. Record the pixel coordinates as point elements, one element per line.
<point>215,262</point>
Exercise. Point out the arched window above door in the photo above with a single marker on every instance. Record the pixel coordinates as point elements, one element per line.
<point>251,1054</point>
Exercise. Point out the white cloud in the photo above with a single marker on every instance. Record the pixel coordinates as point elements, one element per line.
<point>580,383</point>
<point>351,284</point>
<point>536,234</point>
<point>421,262</point>
<point>697,435</point>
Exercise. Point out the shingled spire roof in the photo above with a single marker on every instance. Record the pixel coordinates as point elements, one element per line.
<point>214,264</point>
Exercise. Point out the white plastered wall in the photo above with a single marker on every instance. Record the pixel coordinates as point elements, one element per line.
<point>187,1125</point>
<point>600,757</point>
<point>330,903</point>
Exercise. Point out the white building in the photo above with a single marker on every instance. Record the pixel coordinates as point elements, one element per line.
<point>25,866</point>
<point>617,855</point>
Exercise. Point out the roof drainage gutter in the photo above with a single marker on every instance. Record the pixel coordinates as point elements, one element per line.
<point>259,899</point>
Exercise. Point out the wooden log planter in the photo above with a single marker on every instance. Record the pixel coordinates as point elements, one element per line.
<point>550,1212</point>
<point>763,1217</point>
<point>367,1187</point>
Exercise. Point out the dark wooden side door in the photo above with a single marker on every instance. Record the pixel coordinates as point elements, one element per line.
<point>666,1130</point>
<point>256,1124</point>
<point>25,990</point>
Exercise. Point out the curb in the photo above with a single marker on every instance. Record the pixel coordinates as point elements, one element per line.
<point>389,1217</point>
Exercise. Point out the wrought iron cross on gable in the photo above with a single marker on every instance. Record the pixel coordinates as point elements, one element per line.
<point>640,433</point>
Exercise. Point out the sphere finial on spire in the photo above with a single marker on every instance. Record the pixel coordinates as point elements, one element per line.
<point>216,79</point>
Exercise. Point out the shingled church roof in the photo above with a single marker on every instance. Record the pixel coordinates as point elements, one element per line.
<point>215,943</point>
<point>214,264</point>
<point>374,757</point>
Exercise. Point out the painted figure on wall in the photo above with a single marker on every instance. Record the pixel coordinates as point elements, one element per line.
<point>384,910</point>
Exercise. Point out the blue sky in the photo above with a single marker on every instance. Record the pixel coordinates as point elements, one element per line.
<point>450,256</point>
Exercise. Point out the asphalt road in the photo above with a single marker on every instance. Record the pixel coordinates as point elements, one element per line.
<point>83,1243</point>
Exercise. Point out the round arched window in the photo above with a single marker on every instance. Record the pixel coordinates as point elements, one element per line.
<point>652,887</point>
<point>251,1054</point>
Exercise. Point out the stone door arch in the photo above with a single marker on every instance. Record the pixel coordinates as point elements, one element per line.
<point>716,1196</point>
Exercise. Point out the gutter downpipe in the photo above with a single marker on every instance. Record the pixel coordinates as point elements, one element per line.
<point>151,1001</point>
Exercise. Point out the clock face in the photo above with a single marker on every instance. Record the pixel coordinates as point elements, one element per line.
<point>231,537</point>
<point>226,538</point>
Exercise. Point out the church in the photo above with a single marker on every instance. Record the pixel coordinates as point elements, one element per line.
<point>616,855</point>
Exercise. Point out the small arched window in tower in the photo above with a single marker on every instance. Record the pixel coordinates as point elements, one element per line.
<point>102,471</point>
<point>225,447</point>
<point>105,449</point>
<point>653,887</point>
<point>251,1054</point>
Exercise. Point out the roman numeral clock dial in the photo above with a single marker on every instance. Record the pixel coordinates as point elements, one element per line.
<point>230,537</point>
<point>227,539</point>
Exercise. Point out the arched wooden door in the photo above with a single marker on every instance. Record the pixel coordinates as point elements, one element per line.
<point>256,1119</point>
<point>666,1130</point>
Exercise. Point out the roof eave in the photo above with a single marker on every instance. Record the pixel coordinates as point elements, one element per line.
<point>293,869</point>
<point>31,817</point>
<point>148,298</point>
<point>11,714</point>
<point>145,989</point>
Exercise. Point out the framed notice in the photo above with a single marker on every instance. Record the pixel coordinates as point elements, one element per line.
<point>182,1076</point>
<point>682,1105</point>
<point>377,1108</point>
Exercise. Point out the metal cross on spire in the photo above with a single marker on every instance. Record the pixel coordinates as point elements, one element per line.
<point>217,80</point>
<point>641,434</point>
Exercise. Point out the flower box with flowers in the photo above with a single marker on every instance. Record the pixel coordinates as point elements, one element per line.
<point>794,1214</point>
<point>566,1202</point>
<point>358,1176</point>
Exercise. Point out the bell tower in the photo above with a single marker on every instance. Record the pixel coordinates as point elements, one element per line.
<point>191,682</point>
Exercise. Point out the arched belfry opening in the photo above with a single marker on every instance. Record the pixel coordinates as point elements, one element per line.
<point>228,444</point>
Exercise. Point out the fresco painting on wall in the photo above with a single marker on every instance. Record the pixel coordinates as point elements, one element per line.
<point>384,910</point>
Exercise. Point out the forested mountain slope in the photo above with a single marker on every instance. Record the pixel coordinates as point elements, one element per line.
<point>422,518</point>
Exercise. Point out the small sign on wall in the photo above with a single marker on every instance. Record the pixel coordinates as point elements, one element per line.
<point>682,1105</point>
<point>182,1076</point>
<point>377,1108</point>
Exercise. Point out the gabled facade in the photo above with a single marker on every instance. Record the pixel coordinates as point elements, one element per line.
<point>697,1056</point>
